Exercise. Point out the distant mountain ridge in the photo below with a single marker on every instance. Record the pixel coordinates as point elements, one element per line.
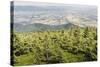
<point>40,27</point>
<point>42,18</point>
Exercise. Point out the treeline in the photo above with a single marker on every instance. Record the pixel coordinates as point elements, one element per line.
<point>60,46</point>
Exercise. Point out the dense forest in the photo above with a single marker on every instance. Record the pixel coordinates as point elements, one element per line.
<point>59,46</point>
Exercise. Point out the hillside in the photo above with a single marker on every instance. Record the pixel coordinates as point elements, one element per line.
<point>40,27</point>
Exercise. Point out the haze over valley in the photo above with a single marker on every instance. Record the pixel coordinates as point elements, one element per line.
<point>54,15</point>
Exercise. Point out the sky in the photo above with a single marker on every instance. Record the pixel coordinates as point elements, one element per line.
<point>32,3</point>
<point>29,3</point>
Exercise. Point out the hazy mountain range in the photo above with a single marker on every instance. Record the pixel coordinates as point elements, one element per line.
<point>41,27</point>
<point>37,18</point>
